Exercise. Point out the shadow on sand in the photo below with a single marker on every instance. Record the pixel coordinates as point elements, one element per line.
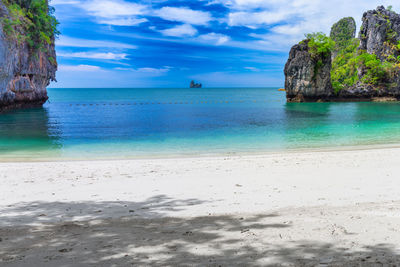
<point>44,236</point>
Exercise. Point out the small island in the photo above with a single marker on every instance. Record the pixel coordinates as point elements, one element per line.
<point>344,68</point>
<point>193,84</point>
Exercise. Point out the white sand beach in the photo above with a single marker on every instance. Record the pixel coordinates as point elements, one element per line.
<point>334,208</point>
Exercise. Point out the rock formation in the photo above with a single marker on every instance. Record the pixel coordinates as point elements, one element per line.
<point>363,68</point>
<point>195,85</point>
<point>379,27</point>
<point>343,30</point>
<point>307,78</point>
<point>25,72</point>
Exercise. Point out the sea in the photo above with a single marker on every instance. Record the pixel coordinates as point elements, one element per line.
<point>105,123</point>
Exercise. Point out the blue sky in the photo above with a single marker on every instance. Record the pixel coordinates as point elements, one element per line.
<point>159,43</point>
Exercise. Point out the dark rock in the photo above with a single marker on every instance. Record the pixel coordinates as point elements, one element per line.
<point>195,85</point>
<point>24,73</point>
<point>64,250</point>
<point>378,27</point>
<point>380,32</point>
<point>307,78</point>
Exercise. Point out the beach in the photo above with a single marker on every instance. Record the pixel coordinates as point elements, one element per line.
<point>329,208</point>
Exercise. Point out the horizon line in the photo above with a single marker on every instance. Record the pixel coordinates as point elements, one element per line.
<point>219,87</point>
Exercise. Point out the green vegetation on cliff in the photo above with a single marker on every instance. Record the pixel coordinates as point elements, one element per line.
<point>343,31</point>
<point>319,44</point>
<point>344,66</point>
<point>31,21</point>
<point>349,61</point>
<point>350,64</point>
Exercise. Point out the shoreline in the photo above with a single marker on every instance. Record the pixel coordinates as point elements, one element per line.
<point>195,155</point>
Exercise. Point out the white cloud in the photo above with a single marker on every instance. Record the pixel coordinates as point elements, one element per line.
<point>288,20</point>
<point>185,15</point>
<point>116,12</point>
<point>122,21</point>
<point>148,71</point>
<point>76,42</point>
<point>252,69</point>
<point>113,8</point>
<point>180,31</point>
<point>253,19</point>
<point>216,38</point>
<point>109,56</point>
<point>80,68</point>
<point>64,2</point>
<point>263,4</point>
<point>285,21</point>
<point>153,70</point>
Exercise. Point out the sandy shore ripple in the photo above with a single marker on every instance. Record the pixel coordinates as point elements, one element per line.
<point>335,208</point>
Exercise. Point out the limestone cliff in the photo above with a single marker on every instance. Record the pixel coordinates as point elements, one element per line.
<point>307,77</point>
<point>342,31</point>
<point>379,28</point>
<point>25,71</point>
<point>363,68</point>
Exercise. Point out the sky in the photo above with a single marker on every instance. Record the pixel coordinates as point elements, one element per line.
<point>168,43</point>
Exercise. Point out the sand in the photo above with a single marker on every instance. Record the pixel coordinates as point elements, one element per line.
<point>333,208</point>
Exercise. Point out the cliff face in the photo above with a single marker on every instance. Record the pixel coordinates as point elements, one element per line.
<point>307,78</point>
<point>24,72</point>
<point>380,35</point>
<point>379,28</point>
<point>341,32</point>
<point>371,70</point>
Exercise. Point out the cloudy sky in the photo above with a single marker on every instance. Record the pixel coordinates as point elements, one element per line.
<point>166,43</point>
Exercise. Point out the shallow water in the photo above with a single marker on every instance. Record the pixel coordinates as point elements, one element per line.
<point>117,123</point>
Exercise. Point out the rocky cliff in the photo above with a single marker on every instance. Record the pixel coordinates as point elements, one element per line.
<point>363,68</point>
<point>379,29</point>
<point>307,78</point>
<point>26,69</point>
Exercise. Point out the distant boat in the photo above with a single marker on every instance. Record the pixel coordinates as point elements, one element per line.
<point>281,90</point>
<point>195,85</point>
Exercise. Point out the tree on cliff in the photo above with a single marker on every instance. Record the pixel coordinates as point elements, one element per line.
<point>32,21</point>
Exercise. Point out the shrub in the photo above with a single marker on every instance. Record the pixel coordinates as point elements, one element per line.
<point>375,71</point>
<point>344,66</point>
<point>343,31</point>
<point>32,21</point>
<point>319,44</point>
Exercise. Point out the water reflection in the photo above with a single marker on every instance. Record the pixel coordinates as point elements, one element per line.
<point>305,124</point>
<point>377,123</point>
<point>340,124</point>
<point>28,129</point>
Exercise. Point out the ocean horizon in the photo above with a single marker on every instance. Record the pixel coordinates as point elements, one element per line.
<point>78,123</point>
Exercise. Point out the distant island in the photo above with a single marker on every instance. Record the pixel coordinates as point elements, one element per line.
<point>193,84</point>
<point>27,52</point>
<point>344,68</point>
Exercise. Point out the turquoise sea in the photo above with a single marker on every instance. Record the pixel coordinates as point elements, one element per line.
<point>118,123</point>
